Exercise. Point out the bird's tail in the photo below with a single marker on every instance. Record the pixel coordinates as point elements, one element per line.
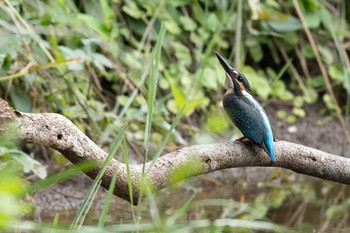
<point>269,148</point>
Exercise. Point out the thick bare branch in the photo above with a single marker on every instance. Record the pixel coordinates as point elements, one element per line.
<point>56,131</point>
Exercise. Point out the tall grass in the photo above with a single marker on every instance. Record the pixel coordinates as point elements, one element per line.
<point>152,88</point>
<point>79,218</point>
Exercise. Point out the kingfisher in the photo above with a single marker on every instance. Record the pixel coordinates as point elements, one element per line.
<point>246,112</point>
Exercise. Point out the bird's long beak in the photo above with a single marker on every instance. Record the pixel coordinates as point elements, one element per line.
<point>224,64</point>
<point>229,73</point>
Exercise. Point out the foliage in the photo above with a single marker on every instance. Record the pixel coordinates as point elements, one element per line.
<point>150,65</point>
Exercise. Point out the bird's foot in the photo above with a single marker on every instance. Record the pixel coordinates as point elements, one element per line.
<point>243,139</point>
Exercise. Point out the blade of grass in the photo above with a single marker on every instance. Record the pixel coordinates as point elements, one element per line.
<point>159,151</point>
<point>292,68</point>
<point>96,182</point>
<point>284,69</point>
<point>55,222</point>
<point>126,161</point>
<point>152,88</point>
<point>109,130</point>
<point>231,224</point>
<point>108,200</point>
<point>278,76</point>
<point>81,99</point>
<point>346,83</point>
<point>152,85</point>
<point>153,209</point>
<point>150,26</point>
<point>180,212</point>
<point>132,96</point>
<point>89,204</point>
<point>111,189</point>
<point>82,167</point>
<point>166,137</point>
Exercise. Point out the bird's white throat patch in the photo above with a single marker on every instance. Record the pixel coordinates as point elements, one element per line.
<point>228,82</point>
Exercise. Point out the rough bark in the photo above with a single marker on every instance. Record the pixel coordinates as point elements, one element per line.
<point>56,131</point>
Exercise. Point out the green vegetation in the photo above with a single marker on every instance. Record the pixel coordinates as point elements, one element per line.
<point>151,65</point>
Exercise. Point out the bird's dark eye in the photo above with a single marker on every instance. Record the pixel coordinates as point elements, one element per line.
<point>240,78</point>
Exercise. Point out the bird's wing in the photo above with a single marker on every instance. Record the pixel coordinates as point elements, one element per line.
<point>247,119</point>
<point>252,125</point>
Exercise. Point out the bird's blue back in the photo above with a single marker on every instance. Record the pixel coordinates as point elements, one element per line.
<point>250,118</point>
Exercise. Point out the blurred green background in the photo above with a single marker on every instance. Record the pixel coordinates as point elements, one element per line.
<point>151,65</point>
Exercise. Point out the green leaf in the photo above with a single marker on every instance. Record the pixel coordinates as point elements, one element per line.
<point>328,101</point>
<point>21,100</point>
<point>179,97</point>
<point>326,54</point>
<point>307,51</point>
<point>281,114</point>
<point>298,101</point>
<point>260,207</point>
<point>222,4</point>
<point>183,55</point>
<point>74,111</point>
<point>256,52</point>
<point>336,211</point>
<point>172,106</point>
<point>277,198</point>
<point>291,119</point>
<point>280,91</point>
<point>171,26</point>
<point>122,99</point>
<point>212,22</point>
<point>291,38</point>
<point>312,19</point>
<point>311,96</point>
<point>316,81</point>
<point>109,16</point>
<point>292,24</point>
<point>192,105</point>
<point>278,21</point>
<point>94,24</point>
<point>209,79</point>
<point>217,122</point>
<point>131,9</point>
<point>299,112</point>
<point>259,84</point>
<point>29,164</point>
<point>326,19</point>
<point>78,168</point>
<point>188,23</point>
<point>336,73</point>
<point>74,53</point>
<point>100,61</point>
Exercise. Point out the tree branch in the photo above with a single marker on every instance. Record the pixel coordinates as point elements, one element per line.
<point>56,131</point>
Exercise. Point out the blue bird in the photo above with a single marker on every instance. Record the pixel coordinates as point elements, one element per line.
<point>244,111</point>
